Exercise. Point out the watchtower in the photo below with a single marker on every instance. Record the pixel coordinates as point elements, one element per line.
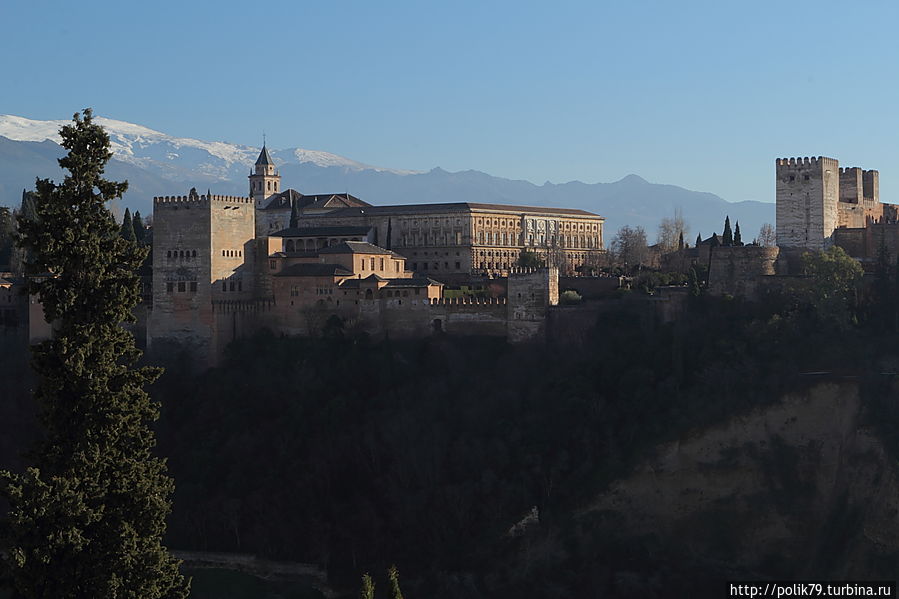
<point>202,254</point>
<point>808,195</point>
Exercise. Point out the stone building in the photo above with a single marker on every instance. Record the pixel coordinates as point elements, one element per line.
<point>815,197</point>
<point>464,238</point>
<point>224,266</point>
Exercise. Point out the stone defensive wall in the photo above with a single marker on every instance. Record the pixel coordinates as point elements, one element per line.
<point>173,201</point>
<point>736,270</point>
<point>813,161</point>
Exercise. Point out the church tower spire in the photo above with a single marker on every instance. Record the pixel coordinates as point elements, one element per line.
<point>265,181</point>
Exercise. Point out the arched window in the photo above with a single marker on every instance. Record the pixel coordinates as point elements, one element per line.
<point>195,253</point>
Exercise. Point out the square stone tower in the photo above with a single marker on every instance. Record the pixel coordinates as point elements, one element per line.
<point>808,195</point>
<point>202,255</point>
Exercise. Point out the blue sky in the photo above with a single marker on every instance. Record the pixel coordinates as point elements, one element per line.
<point>704,95</point>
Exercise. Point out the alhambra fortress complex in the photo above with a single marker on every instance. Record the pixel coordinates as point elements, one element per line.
<point>226,266</point>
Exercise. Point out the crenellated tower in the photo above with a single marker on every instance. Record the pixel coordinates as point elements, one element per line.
<point>264,180</point>
<point>808,195</point>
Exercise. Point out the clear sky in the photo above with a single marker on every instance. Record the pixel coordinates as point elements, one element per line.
<point>704,95</point>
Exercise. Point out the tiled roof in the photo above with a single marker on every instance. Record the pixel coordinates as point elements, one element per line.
<point>413,282</point>
<point>284,200</point>
<point>457,207</point>
<point>264,158</point>
<point>355,247</point>
<point>314,270</point>
<point>320,231</point>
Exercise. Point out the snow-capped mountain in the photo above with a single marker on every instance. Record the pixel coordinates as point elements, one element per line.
<point>174,157</point>
<point>156,164</point>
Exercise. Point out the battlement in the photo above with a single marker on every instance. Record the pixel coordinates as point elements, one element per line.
<point>855,169</point>
<point>163,201</point>
<point>469,301</point>
<point>806,161</point>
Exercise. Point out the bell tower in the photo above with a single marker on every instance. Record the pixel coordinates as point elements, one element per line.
<point>265,180</point>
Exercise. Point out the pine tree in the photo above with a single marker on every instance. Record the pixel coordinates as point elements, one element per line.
<point>680,240</point>
<point>368,587</point>
<point>727,238</point>
<point>127,229</point>
<point>394,576</point>
<point>140,231</point>
<point>87,519</point>
<point>738,239</point>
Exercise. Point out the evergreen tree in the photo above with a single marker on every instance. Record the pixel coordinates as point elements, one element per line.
<point>738,238</point>
<point>727,238</point>
<point>126,231</point>
<point>394,576</point>
<point>680,240</point>
<point>368,587</point>
<point>140,231</point>
<point>693,283</point>
<point>87,519</point>
<point>7,231</point>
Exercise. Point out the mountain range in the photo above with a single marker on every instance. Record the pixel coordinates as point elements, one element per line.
<point>157,164</point>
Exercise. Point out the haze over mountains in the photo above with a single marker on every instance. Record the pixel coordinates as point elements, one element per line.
<point>155,164</point>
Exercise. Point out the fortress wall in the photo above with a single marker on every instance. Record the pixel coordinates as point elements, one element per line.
<point>852,240</point>
<point>736,270</point>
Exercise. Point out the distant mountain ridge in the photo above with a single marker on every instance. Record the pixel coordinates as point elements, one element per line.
<point>156,163</point>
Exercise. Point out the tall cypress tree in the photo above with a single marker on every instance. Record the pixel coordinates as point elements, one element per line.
<point>140,231</point>
<point>127,228</point>
<point>87,519</point>
<point>727,238</point>
<point>738,238</point>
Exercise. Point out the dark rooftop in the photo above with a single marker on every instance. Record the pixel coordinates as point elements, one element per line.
<point>455,207</point>
<point>314,270</point>
<point>285,199</point>
<point>321,231</point>
<point>264,157</point>
<point>355,247</point>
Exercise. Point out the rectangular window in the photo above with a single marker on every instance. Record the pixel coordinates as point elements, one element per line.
<point>271,265</point>
<point>181,286</point>
<point>382,263</point>
<point>372,263</point>
<point>224,285</point>
<point>232,285</point>
<point>169,287</point>
<point>193,286</point>
<point>458,265</point>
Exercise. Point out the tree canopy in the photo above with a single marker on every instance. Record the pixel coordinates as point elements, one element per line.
<point>87,519</point>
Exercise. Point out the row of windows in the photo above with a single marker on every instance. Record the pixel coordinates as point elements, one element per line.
<point>182,286</point>
<point>427,238</point>
<point>181,254</point>
<point>371,263</point>
<point>434,222</point>
<point>230,285</point>
<point>272,186</point>
<point>436,266</point>
<point>232,253</point>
